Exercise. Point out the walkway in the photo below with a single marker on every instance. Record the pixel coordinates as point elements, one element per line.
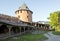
<point>52,37</point>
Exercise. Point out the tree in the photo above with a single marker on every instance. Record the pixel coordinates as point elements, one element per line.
<point>55,20</point>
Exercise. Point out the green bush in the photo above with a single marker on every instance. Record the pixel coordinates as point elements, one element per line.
<point>56,32</point>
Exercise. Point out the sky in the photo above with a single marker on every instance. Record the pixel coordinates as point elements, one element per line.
<point>41,8</point>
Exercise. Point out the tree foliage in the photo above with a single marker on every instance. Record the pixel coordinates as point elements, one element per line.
<point>55,19</point>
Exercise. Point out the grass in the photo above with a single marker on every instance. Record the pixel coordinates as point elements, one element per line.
<point>56,32</point>
<point>28,37</point>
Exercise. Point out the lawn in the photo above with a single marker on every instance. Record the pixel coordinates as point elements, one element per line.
<point>28,37</point>
<point>56,32</point>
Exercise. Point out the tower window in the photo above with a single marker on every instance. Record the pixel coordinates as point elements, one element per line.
<point>21,11</point>
<point>18,16</point>
<point>27,16</point>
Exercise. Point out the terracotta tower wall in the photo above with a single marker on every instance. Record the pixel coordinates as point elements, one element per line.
<point>24,14</point>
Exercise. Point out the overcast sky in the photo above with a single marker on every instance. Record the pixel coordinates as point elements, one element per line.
<point>41,8</point>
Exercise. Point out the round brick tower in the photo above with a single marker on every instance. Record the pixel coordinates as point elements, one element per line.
<point>24,14</point>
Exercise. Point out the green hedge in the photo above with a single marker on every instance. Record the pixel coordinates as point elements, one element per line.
<point>56,32</point>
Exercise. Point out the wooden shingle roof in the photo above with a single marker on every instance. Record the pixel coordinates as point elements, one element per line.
<point>11,20</point>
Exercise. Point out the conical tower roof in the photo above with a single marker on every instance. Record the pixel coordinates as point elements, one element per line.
<point>23,7</point>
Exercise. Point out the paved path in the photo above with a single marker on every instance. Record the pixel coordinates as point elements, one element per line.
<point>52,37</point>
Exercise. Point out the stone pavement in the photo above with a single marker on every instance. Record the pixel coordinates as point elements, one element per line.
<point>52,37</point>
